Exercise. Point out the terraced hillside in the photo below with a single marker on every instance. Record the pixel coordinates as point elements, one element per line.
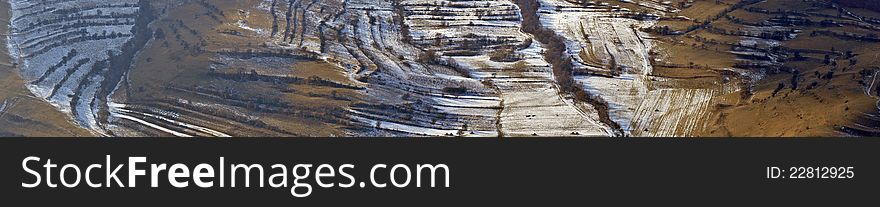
<point>608,54</point>
<point>67,51</point>
<point>804,65</point>
<point>22,114</point>
<point>387,83</point>
<point>505,68</point>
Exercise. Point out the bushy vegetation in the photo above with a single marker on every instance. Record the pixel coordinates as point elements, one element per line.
<point>561,62</point>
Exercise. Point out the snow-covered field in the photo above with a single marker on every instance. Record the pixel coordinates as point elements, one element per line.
<point>3,107</point>
<point>429,67</point>
<point>530,102</point>
<point>383,41</point>
<point>609,39</point>
<point>122,111</point>
<point>368,38</point>
<point>63,46</point>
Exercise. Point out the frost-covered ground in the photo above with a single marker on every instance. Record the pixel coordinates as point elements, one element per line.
<point>3,107</point>
<point>428,67</point>
<point>409,53</point>
<point>530,102</point>
<point>62,49</point>
<point>164,121</point>
<point>381,44</point>
<point>599,36</point>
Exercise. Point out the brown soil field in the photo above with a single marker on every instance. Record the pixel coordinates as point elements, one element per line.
<point>187,74</point>
<point>820,106</point>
